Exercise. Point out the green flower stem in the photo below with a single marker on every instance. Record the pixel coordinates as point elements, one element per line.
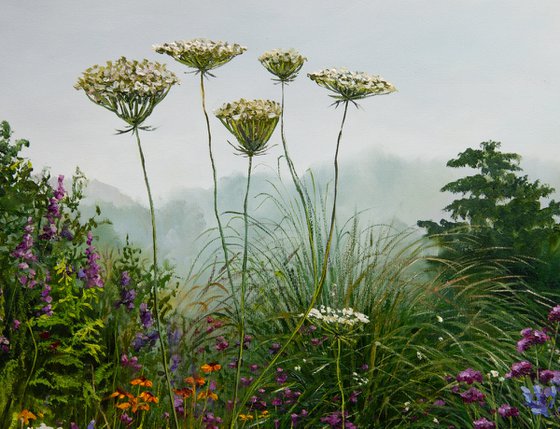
<point>243,291</point>
<point>35,354</point>
<point>215,178</point>
<point>155,285</point>
<point>297,183</point>
<point>318,287</point>
<point>339,378</point>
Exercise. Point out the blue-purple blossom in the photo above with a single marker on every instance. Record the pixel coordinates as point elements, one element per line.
<point>146,316</point>
<point>91,273</point>
<point>547,375</point>
<point>542,400</point>
<point>141,340</point>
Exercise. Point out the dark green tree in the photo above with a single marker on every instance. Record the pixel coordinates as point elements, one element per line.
<point>501,214</point>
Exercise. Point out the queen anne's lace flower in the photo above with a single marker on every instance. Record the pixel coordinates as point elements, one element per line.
<point>129,88</point>
<point>252,122</point>
<point>351,86</point>
<point>346,316</point>
<point>201,54</point>
<point>282,63</point>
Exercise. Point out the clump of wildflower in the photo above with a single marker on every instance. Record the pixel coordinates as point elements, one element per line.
<point>520,369</point>
<point>25,415</point>
<point>91,273</point>
<point>554,314</point>
<point>507,411</point>
<point>331,316</point>
<point>334,420</point>
<point>351,86</point>
<point>252,122</point>
<point>131,89</point>
<point>285,64</point>
<point>201,54</point>
<point>130,362</point>
<point>53,211</point>
<point>146,316</point>
<point>128,295</point>
<point>530,338</point>
<point>4,344</point>
<point>483,423</point>
<point>542,400</point>
<point>472,395</point>
<point>469,376</point>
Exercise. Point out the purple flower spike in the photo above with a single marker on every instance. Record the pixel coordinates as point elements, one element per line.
<point>146,316</point>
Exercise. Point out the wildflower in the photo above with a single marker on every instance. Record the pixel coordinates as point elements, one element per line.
<point>4,344</point>
<point>507,410</point>
<point>221,344</point>
<point>25,415</point>
<point>130,89</point>
<point>494,374</point>
<point>247,381</point>
<point>198,381</point>
<point>246,417</point>
<point>210,367</point>
<point>439,319</point>
<point>520,369</point>
<point>252,122</point>
<point>120,394</point>
<point>472,395</point>
<point>285,64</point>
<point>141,381</point>
<point>201,54</point>
<point>346,316</point>
<point>274,348</point>
<point>211,421</point>
<point>483,423</point>
<point>24,249</point>
<point>146,316</point>
<point>207,394</point>
<point>16,324</point>
<point>185,392</point>
<point>541,401</point>
<point>469,376</point>
<point>531,337</point>
<point>148,397</point>
<point>548,375</point>
<point>554,315</point>
<point>439,403</point>
<point>351,86</point>
<point>91,273</point>
<point>126,419</point>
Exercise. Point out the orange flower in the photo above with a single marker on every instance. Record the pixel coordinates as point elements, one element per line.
<point>26,415</point>
<point>210,367</point>
<point>185,392</point>
<point>207,394</point>
<point>141,381</point>
<point>121,394</point>
<point>148,397</point>
<point>264,414</point>
<point>198,381</point>
<point>245,417</point>
<point>134,405</point>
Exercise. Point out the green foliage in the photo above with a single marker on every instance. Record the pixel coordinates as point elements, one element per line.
<point>501,213</point>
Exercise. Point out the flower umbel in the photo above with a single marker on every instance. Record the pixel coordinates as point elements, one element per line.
<point>129,88</point>
<point>285,64</point>
<point>351,86</point>
<point>201,54</point>
<point>252,122</point>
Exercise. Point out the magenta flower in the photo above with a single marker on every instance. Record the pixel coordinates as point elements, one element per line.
<point>547,375</point>
<point>91,273</point>
<point>554,315</point>
<point>507,410</point>
<point>531,337</point>
<point>520,369</point>
<point>469,376</point>
<point>483,423</point>
<point>472,395</point>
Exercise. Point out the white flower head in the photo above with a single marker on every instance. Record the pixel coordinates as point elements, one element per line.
<point>340,317</point>
<point>285,64</point>
<point>129,88</point>
<point>202,55</point>
<point>252,122</point>
<point>351,86</point>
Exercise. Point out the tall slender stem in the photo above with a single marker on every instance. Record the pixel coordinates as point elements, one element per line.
<point>319,286</point>
<point>243,290</point>
<point>299,189</point>
<point>215,178</point>
<point>339,379</point>
<point>156,279</point>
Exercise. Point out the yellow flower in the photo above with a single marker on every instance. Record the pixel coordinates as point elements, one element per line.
<point>245,417</point>
<point>210,367</point>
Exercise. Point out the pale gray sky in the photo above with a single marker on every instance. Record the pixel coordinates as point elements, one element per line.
<point>466,70</point>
